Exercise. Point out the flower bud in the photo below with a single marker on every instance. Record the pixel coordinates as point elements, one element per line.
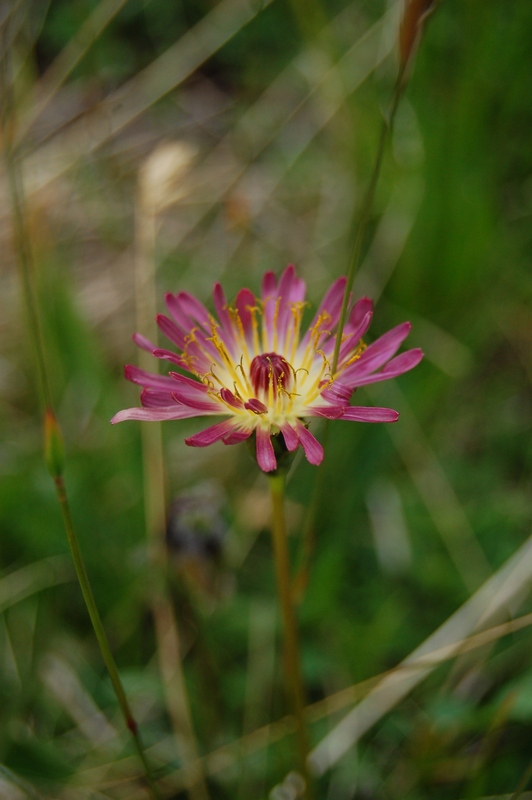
<point>414,15</point>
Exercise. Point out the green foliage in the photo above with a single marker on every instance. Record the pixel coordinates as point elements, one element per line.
<point>456,178</point>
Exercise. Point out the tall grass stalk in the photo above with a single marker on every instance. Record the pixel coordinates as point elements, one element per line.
<point>53,438</point>
<point>308,538</point>
<point>151,199</point>
<point>293,679</point>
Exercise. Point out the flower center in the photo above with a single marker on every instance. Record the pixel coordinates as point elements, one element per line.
<point>270,370</point>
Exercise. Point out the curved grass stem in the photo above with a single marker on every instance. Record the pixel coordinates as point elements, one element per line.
<point>99,630</point>
<point>52,433</point>
<point>354,261</point>
<point>365,211</point>
<point>294,683</point>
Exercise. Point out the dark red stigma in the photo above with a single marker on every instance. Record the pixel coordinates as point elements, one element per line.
<point>270,368</point>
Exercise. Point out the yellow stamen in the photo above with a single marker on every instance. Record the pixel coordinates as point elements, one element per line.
<point>240,366</point>
<point>255,310</point>
<point>226,358</point>
<point>240,329</point>
<point>358,352</point>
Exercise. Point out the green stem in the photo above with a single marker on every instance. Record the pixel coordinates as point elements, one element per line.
<point>99,630</point>
<point>354,260</point>
<point>294,683</point>
<point>53,439</point>
<point>22,242</point>
<point>521,786</point>
<point>367,204</point>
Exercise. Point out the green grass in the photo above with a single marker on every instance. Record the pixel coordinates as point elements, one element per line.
<point>449,246</point>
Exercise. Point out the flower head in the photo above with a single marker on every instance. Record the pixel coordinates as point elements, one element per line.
<point>251,365</point>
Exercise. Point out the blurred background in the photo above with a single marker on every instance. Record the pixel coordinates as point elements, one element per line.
<point>171,145</point>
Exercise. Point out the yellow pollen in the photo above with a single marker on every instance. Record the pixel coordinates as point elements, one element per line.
<point>253,310</point>
<point>358,352</point>
<point>240,366</point>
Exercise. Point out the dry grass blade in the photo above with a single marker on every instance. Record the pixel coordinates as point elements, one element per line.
<point>9,780</point>
<point>345,697</point>
<point>122,107</point>
<point>67,60</point>
<point>162,180</point>
<point>503,589</point>
<point>229,755</point>
<point>61,680</point>
<point>269,126</point>
<point>436,491</point>
<point>22,583</point>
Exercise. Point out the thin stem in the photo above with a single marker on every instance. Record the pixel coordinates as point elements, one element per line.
<point>166,628</point>
<point>367,204</point>
<point>521,786</point>
<point>99,630</point>
<point>308,539</point>
<point>354,260</point>
<point>53,439</point>
<point>294,683</point>
<point>22,242</point>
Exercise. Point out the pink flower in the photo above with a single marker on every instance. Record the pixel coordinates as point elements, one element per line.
<point>251,365</point>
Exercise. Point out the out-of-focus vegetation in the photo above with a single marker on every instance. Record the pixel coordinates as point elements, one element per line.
<point>244,134</point>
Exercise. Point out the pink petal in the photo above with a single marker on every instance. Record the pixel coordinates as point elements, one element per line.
<point>290,437</point>
<point>377,353</point>
<point>358,322</point>
<point>291,290</point>
<point>311,446</point>
<point>337,392</point>
<point>177,312</point>
<point>330,306</point>
<point>370,414</point>
<point>169,355</point>
<point>202,405</point>
<point>356,328</point>
<point>191,307</point>
<point>403,363</point>
<point>230,398</point>
<point>256,406</point>
<point>213,434</point>
<point>285,281</point>
<point>143,378</point>
<point>184,379</point>
<point>156,415</point>
<point>201,361</point>
<point>226,323</point>
<point>171,331</point>
<point>269,303</point>
<point>237,436</point>
<point>265,455</point>
<point>194,394</point>
<point>329,412</point>
<point>245,300</point>
<point>269,286</point>
<point>151,398</point>
<point>143,343</point>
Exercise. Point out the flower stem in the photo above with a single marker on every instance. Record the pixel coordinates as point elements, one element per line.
<point>294,683</point>
<point>53,439</point>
